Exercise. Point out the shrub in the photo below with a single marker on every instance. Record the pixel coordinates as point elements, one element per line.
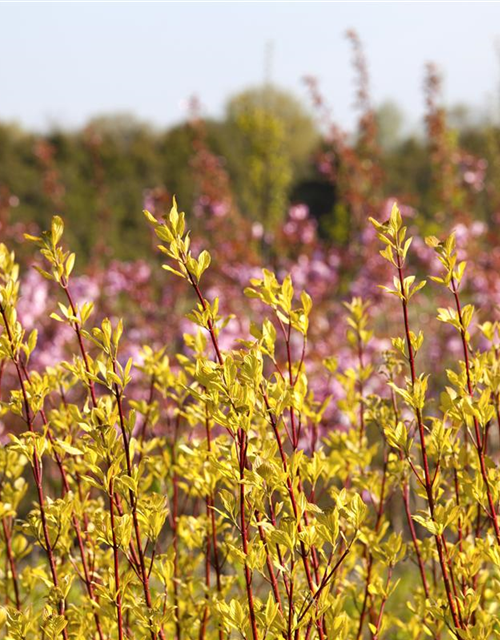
<point>233,498</point>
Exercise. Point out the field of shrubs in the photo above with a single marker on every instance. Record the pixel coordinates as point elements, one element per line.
<point>258,427</point>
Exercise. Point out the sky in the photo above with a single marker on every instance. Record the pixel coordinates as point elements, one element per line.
<point>63,63</point>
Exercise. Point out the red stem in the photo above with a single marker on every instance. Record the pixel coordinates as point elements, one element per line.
<point>405,491</point>
<point>213,531</point>
<point>492,514</point>
<point>83,352</point>
<point>383,603</point>
<point>293,501</point>
<point>243,443</point>
<point>144,575</point>
<point>37,471</point>
<point>369,567</point>
<point>87,579</point>
<point>116,565</point>
<point>175,517</point>
<point>12,563</point>
<point>208,545</point>
<point>242,447</point>
<point>269,564</point>
<point>439,538</point>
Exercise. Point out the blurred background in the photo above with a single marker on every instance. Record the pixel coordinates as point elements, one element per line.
<point>247,108</point>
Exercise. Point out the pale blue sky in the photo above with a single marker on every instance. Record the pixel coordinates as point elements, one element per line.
<point>64,62</point>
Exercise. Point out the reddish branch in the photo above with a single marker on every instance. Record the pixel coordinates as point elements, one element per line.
<point>144,573</point>
<point>37,470</point>
<point>211,541</point>
<point>87,574</point>
<point>369,568</point>
<point>439,538</point>
<point>175,522</point>
<point>242,444</point>
<point>12,563</point>
<point>479,442</point>
<point>405,492</point>
<point>137,556</point>
<point>116,564</point>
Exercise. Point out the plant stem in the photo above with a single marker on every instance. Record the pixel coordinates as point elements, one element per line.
<point>369,567</point>
<point>90,383</point>
<point>269,564</point>
<point>480,443</point>
<point>12,564</point>
<point>36,468</point>
<point>405,492</point>
<point>116,565</point>
<point>133,504</point>
<point>210,500</point>
<point>87,579</point>
<point>383,603</point>
<point>175,520</point>
<point>242,443</point>
<point>439,538</point>
<point>293,500</point>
